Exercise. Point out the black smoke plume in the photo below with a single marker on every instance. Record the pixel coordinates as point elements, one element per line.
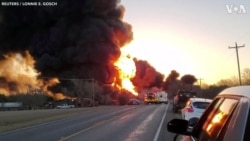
<point>74,39</point>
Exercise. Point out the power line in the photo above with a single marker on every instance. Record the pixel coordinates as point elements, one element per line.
<point>236,48</point>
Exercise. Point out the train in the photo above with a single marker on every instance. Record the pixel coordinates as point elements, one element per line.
<point>11,106</point>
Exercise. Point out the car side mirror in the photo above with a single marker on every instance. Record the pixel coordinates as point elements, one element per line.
<point>193,121</point>
<point>178,126</point>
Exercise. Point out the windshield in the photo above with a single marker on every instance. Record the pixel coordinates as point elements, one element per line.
<point>201,105</point>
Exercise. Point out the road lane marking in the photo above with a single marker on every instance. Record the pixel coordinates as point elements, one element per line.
<point>160,126</point>
<point>40,124</point>
<point>93,126</point>
<point>140,130</point>
<point>84,130</point>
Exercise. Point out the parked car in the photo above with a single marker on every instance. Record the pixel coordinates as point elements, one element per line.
<point>227,118</point>
<point>65,106</point>
<point>194,108</point>
<point>134,102</point>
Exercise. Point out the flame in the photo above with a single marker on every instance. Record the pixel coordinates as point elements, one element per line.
<point>18,70</point>
<point>19,76</point>
<point>126,68</point>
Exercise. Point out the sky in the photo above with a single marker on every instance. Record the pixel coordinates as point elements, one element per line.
<point>191,37</point>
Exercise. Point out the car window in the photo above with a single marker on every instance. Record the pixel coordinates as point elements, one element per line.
<point>217,118</point>
<point>198,127</point>
<point>201,105</point>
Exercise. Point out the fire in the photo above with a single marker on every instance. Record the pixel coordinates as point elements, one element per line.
<point>126,67</point>
<point>18,70</point>
<point>19,76</point>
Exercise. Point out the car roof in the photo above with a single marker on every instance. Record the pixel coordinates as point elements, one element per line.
<point>237,90</point>
<point>197,99</point>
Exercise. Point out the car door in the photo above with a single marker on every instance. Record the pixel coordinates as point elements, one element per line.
<point>215,118</point>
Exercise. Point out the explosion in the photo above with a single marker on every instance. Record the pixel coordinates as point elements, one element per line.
<point>17,73</point>
<point>19,76</point>
<point>78,39</point>
<point>127,69</point>
<point>81,39</point>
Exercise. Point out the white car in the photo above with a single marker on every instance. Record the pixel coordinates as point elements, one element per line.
<point>65,106</point>
<point>194,108</point>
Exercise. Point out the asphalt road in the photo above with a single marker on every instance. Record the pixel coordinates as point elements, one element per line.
<point>104,123</point>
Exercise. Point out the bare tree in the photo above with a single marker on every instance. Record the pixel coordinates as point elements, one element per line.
<point>233,81</point>
<point>246,76</point>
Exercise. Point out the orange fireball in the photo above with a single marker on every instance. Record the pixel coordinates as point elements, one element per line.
<point>126,68</point>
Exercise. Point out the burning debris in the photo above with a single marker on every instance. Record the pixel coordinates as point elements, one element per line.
<point>75,39</point>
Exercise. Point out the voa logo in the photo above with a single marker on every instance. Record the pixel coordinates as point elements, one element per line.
<point>238,9</point>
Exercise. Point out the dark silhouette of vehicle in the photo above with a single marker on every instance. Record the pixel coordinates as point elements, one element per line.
<point>134,102</point>
<point>181,99</point>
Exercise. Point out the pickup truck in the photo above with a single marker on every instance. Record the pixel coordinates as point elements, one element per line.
<point>181,99</point>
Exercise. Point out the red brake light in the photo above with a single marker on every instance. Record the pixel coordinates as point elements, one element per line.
<point>190,109</point>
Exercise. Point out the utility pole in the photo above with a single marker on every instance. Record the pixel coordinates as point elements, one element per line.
<point>236,48</point>
<point>200,79</point>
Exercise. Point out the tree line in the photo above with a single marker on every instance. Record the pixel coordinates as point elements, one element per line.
<point>172,84</point>
<point>106,94</point>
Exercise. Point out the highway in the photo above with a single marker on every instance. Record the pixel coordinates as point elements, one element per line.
<point>103,123</point>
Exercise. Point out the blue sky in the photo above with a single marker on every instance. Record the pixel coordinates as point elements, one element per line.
<point>191,37</point>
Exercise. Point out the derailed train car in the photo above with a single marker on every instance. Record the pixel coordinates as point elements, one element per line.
<point>11,106</point>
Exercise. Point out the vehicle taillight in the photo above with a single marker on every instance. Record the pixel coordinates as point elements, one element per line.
<point>190,109</point>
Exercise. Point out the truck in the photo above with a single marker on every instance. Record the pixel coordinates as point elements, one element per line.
<point>162,97</point>
<point>150,98</point>
<point>156,97</point>
<point>181,98</point>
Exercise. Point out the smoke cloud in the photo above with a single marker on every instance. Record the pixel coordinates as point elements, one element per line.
<point>146,76</point>
<point>74,39</point>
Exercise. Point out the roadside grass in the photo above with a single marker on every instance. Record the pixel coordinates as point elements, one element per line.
<point>10,120</point>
